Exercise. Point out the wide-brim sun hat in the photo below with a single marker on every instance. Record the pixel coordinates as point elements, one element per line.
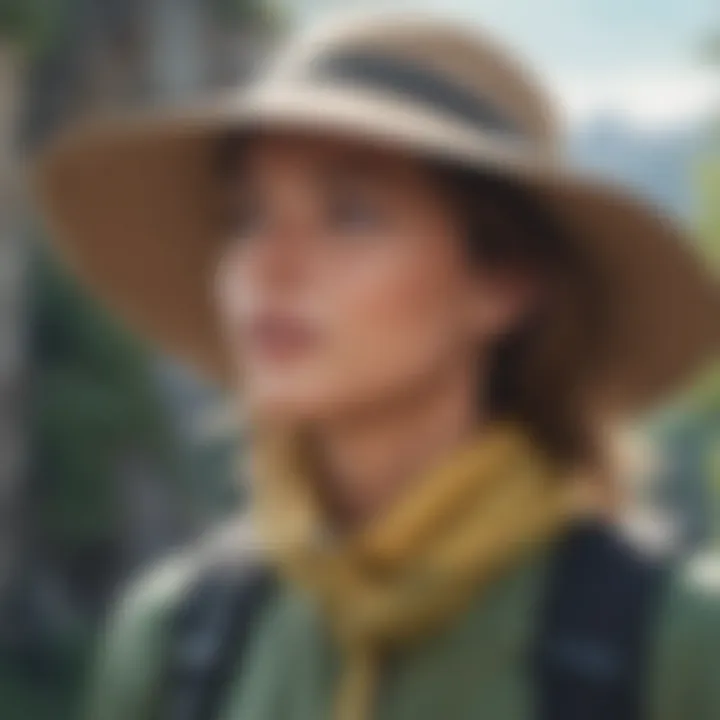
<point>130,201</point>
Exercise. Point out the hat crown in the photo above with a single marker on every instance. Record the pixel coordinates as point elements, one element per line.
<point>461,56</point>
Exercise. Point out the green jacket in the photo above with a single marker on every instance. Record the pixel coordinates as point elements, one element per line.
<point>476,668</point>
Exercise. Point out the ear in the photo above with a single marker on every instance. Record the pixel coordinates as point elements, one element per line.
<point>502,301</point>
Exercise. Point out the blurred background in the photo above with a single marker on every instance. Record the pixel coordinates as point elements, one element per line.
<point>110,455</point>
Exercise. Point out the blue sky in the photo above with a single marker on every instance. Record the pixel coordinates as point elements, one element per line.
<point>596,34</point>
<point>633,57</point>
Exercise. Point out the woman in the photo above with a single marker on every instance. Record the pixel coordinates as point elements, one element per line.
<point>434,327</point>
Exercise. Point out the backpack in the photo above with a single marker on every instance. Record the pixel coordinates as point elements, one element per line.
<point>588,659</point>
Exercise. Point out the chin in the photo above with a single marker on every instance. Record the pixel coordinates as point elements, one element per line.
<point>288,406</point>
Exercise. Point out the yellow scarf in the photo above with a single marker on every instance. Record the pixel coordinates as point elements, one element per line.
<point>422,562</point>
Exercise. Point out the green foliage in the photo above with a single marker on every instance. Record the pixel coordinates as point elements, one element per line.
<point>708,393</point>
<point>709,197</point>
<point>42,681</point>
<point>17,19</point>
<point>94,404</point>
<point>688,432</point>
<point>30,23</point>
<point>262,13</point>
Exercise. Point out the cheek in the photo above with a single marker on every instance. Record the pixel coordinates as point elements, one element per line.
<point>389,314</point>
<point>398,315</point>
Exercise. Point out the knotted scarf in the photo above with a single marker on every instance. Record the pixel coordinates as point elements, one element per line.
<point>417,566</point>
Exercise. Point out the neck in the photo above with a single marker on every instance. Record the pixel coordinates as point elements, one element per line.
<point>370,458</point>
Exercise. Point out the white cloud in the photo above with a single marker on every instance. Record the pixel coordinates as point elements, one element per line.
<point>650,98</point>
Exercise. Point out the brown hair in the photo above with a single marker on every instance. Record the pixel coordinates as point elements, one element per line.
<point>531,378</point>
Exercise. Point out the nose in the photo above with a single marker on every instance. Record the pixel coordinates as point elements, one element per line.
<point>272,270</point>
<point>281,259</point>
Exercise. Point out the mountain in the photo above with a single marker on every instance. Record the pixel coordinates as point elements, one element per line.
<point>659,164</point>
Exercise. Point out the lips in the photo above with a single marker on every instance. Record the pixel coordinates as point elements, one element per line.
<point>278,336</point>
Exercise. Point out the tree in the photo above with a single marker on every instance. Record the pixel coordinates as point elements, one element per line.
<point>100,426</point>
<point>690,433</point>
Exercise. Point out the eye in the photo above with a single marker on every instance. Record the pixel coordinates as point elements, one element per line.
<point>355,213</point>
<point>244,221</point>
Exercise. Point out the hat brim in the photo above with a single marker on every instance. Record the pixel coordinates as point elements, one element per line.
<point>130,204</point>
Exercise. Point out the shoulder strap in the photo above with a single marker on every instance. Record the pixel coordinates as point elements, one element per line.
<point>595,629</point>
<point>589,657</point>
<point>208,638</point>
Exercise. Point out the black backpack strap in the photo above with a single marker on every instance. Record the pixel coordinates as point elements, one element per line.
<point>209,633</point>
<point>589,658</point>
<point>596,628</point>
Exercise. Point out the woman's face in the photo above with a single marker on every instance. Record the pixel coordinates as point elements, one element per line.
<point>344,281</point>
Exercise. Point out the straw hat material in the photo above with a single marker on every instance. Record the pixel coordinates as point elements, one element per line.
<point>129,200</point>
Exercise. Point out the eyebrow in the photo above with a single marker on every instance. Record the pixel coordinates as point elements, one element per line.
<point>352,168</point>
